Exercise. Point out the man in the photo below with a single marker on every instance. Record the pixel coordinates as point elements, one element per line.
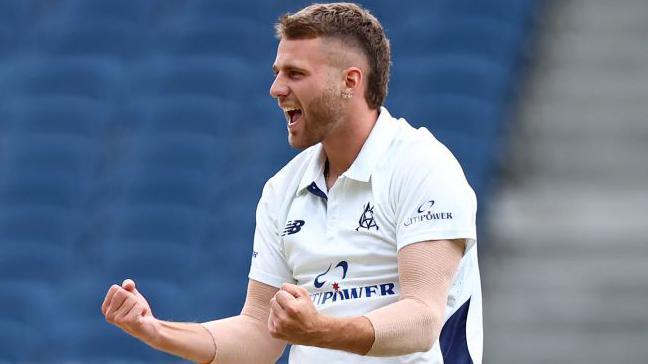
<point>364,249</point>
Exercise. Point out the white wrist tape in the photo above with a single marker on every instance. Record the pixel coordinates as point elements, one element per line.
<point>413,324</point>
<point>245,338</point>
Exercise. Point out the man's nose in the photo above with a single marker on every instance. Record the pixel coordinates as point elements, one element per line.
<point>277,89</point>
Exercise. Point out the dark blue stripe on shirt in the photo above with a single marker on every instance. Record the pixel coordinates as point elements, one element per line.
<point>454,345</point>
<point>312,188</point>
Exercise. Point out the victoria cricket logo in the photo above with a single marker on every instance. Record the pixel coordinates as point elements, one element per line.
<point>293,227</point>
<point>367,220</point>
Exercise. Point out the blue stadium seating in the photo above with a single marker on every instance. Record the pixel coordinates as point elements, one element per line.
<point>95,341</point>
<point>189,76</point>
<point>450,112</point>
<point>7,41</point>
<point>515,11</point>
<point>58,115</point>
<point>145,261</point>
<point>89,38</point>
<point>84,78</point>
<point>26,318</point>
<point>156,223</point>
<point>19,189</point>
<point>28,303</point>
<point>21,342</point>
<point>53,154</point>
<point>199,115</point>
<point>475,154</point>
<point>182,188</point>
<point>218,292</point>
<point>237,37</point>
<point>43,263</point>
<point>115,10</point>
<point>136,136</point>
<point>463,76</point>
<point>476,36</point>
<point>38,223</point>
<point>12,12</point>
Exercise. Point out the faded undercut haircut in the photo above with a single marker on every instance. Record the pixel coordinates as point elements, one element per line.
<point>355,27</point>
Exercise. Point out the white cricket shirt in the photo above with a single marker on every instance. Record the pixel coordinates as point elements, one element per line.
<point>404,187</point>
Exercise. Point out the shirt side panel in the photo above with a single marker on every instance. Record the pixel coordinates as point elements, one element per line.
<point>269,263</point>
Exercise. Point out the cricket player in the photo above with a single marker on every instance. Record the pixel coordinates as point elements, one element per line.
<point>365,243</point>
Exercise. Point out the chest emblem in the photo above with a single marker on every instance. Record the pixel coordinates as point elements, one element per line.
<point>319,281</point>
<point>293,227</point>
<point>367,220</point>
<point>329,289</point>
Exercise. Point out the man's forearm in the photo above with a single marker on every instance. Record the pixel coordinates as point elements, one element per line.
<point>403,327</point>
<point>352,334</point>
<point>238,339</point>
<point>244,339</point>
<point>190,341</point>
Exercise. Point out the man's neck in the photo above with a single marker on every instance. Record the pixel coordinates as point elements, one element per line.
<point>344,144</point>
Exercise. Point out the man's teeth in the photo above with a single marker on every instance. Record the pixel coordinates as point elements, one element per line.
<point>289,109</point>
<point>292,113</point>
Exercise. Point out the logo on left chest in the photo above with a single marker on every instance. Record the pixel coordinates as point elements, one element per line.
<point>367,220</point>
<point>293,227</point>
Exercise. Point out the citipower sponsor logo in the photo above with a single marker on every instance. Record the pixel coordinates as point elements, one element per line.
<point>425,213</point>
<point>330,282</point>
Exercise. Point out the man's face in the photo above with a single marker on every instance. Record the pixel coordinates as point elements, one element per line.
<point>308,88</point>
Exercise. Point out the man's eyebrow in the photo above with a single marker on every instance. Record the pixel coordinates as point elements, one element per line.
<point>288,67</point>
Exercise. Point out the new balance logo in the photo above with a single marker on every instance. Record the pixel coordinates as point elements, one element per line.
<point>293,227</point>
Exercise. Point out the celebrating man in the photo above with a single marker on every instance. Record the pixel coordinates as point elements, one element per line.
<point>365,244</point>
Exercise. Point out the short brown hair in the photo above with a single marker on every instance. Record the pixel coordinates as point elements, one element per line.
<point>354,26</point>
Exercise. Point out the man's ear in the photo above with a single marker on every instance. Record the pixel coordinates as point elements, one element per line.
<point>353,78</point>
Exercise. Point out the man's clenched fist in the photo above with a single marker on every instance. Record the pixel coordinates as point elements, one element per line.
<point>293,317</point>
<point>127,309</point>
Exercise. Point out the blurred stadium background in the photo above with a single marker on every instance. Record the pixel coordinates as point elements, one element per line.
<point>136,135</point>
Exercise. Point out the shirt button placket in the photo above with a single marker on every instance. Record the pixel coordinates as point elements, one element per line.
<point>330,218</point>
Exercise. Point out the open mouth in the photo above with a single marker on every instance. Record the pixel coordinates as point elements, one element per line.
<point>293,115</point>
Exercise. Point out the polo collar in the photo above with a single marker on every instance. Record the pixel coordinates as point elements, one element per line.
<point>374,147</point>
<point>372,151</point>
<point>314,173</point>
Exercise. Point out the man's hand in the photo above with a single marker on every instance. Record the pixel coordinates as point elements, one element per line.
<point>127,309</point>
<point>293,317</point>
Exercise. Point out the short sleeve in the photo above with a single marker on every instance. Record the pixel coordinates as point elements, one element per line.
<point>433,200</point>
<point>268,262</point>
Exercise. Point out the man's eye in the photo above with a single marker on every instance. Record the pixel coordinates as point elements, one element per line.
<point>294,74</point>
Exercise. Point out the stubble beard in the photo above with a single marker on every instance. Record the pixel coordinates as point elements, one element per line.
<point>324,114</point>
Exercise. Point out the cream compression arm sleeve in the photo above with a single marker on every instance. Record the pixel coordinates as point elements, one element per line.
<point>245,338</point>
<point>413,323</point>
